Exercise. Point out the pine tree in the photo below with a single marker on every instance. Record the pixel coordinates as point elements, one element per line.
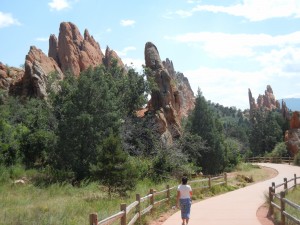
<point>203,124</point>
<point>113,168</point>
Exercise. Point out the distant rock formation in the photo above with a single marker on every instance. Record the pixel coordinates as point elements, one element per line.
<point>167,99</point>
<point>292,136</point>
<point>266,101</point>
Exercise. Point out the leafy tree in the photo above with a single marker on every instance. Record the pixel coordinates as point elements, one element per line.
<point>113,168</point>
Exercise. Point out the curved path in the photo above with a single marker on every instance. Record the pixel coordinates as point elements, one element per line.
<point>237,207</point>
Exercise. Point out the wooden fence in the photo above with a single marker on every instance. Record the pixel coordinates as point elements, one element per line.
<point>282,200</point>
<point>288,160</point>
<point>154,198</point>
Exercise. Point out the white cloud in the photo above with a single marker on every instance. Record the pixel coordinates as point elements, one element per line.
<point>231,45</point>
<point>59,5</point>
<point>134,63</point>
<point>42,39</point>
<point>253,10</point>
<point>126,23</point>
<point>124,51</point>
<point>6,20</point>
<point>230,87</point>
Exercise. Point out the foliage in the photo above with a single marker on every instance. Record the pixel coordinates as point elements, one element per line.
<point>265,132</point>
<point>113,167</point>
<point>280,150</point>
<point>203,123</point>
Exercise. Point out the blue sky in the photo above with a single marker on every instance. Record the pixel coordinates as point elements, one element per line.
<point>224,47</point>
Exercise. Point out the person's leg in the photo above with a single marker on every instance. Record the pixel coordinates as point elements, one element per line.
<point>187,220</point>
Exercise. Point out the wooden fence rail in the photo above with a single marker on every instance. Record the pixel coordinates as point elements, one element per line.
<point>288,160</point>
<point>136,207</point>
<point>282,200</point>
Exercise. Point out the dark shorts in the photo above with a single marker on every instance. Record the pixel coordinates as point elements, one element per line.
<point>185,206</point>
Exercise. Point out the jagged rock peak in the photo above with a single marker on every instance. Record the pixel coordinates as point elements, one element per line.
<point>164,102</point>
<point>111,55</point>
<point>37,69</point>
<point>266,101</point>
<point>185,94</point>
<point>152,58</point>
<point>72,52</point>
<point>53,48</point>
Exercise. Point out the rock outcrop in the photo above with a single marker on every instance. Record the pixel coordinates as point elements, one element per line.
<point>184,93</point>
<point>9,76</point>
<point>110,56</point>
<point>37,69</point>
<point>72,52</point>
<point>266,101</point>
<point>292,136</point>
<point>167,100</point>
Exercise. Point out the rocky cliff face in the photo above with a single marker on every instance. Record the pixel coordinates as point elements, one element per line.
<point>70,52</point>
<point>168,98</point>
<point>292,136</point>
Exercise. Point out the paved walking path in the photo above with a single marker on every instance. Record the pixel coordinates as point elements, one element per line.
<point>237,207</point>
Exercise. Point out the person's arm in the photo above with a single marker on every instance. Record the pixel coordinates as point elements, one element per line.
<point>177,199</point>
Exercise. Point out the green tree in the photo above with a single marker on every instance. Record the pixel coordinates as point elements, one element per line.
<point>88,110</point>
<point>265,132</point>
<point>205,125</point>
<point>113,168</point>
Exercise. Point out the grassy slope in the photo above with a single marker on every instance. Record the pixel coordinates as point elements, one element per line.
<point>68,205</point>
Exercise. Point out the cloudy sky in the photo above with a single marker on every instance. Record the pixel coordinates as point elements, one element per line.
<point>224,47</point>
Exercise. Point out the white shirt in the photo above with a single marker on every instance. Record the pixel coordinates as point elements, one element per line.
<point>184,191</point>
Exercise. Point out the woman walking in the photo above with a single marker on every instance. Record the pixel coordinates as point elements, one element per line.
<point>184,194</point>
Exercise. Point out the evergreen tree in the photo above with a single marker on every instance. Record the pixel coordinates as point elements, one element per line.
<point>88,110</point>
<point>113,168</point>
<point>204,124</point>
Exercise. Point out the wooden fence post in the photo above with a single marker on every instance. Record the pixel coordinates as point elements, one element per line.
<point>295,180</point>
<point>273,186</point>
<point>152,200</point>
<point>124,217</point>
<point>168,194</point>
<point>285,183</point>
<point>209,182</point>
<point>271,209</point>
<point>93,219</point>
<point>282,207</point>
<point>138,207</point>
<point>225,178</point>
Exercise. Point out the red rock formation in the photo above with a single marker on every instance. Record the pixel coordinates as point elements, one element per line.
<point>72,52</point>
<point>37,68</point>
<point>295,121</point>
<point>109,56</point>
<point>292,136</point>
<point>165,100</point>
<point>9,76</point>
<point>266,101</point>
<point>184,97</point>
